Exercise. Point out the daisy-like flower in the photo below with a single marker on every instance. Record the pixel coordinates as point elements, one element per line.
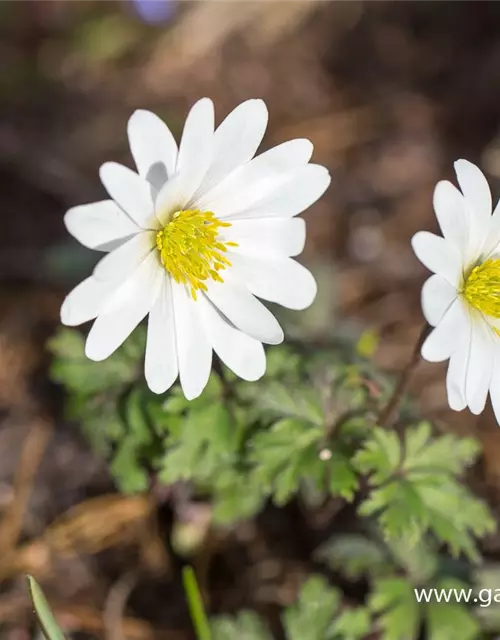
<point>193,238</point>
<point>462,299</point>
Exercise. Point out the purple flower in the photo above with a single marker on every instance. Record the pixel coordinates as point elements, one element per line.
<point>154,11</point>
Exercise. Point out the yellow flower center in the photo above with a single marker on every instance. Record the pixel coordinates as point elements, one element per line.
<point>190,249</point>
<point>482,287</point>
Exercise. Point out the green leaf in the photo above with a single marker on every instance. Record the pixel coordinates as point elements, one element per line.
<point>445,620</point>
<point>48,623</point>
<point>127,469</point>
<point>100,421</point>
<point>236,497</point>
<point>393,600</point>
<point>343,478</point>
<point>313,613</point>
<point>399,510</point>
<point>195,602</point>
<point>275,399</point>
<point>400,616</point>
<point>351,624</point>
<point>136,418</point>
<point>282,361</point>
<point>487,609</point>
<point>73,369</point>
<point>380,456</point>
<point>199,444</point>
<point>283,455</point>
<point>354,555</point>
<point>446,454</point>
<point>416,488</point>
<point>416,558</point>
<point>245,626</point>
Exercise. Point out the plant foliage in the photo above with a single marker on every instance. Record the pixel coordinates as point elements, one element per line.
<point>306,432</point>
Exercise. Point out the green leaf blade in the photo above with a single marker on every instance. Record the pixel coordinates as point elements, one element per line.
<point>46,619</point>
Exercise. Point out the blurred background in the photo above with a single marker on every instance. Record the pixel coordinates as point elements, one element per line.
<point>390,93</point>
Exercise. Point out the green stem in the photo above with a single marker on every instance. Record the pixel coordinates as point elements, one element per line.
<point>195,603</point>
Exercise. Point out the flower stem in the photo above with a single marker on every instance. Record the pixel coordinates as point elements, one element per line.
<point>196,608</point>
<point>388,413</point>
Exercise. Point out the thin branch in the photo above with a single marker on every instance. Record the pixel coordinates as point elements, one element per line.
<point>388,413</point>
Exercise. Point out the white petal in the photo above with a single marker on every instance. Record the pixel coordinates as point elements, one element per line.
<point>244,311</point>
<point>455,379</point>
<point>492,240</point>
<point>117,321</point>
<point>173,196</point>
<point>196,147</point>
<point>437,296</point>
<point>161,367</point>
<point>439,256</point>
<point>131,192</point>
<point>480,364</point>
<point>451,213</point>
<point>244,355</point>
<point>298,192</point>
<point>124,310</point>
<point>495,383</point>
<point>236,140</point>
<point>445,338</point>
<point>121,262</point>
<point>85,301</point>
<point>193,348</point>
<point>254,180</point>
<point>273,237</point>
<point>475,188</point>
<point>152,144</point>
<point>97,224</point>
<point>283,281</point>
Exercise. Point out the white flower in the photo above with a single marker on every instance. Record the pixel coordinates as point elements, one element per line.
<point>462,299</point>
<point>192,238</point>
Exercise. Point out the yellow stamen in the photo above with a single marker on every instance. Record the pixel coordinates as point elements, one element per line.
<point>191,250</point>
<point>482,287</point>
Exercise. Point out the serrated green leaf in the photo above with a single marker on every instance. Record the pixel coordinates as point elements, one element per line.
<point>48,623</point>
<point>355,556</point>
<point>445,620</point>
<point>446,454</point>
<point>393,600</point>
<point>283,455</point>
<point>202,440</point>
<point>343,480</point>
<point>245,626</point>
<point>420,493</point>
<point>277,399</point>
<point>415,557</point>
<point>380,457</point>
<point>313,613</point>
<point>351,624</point>
<point>73,369</point>
<point>399,510</point>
